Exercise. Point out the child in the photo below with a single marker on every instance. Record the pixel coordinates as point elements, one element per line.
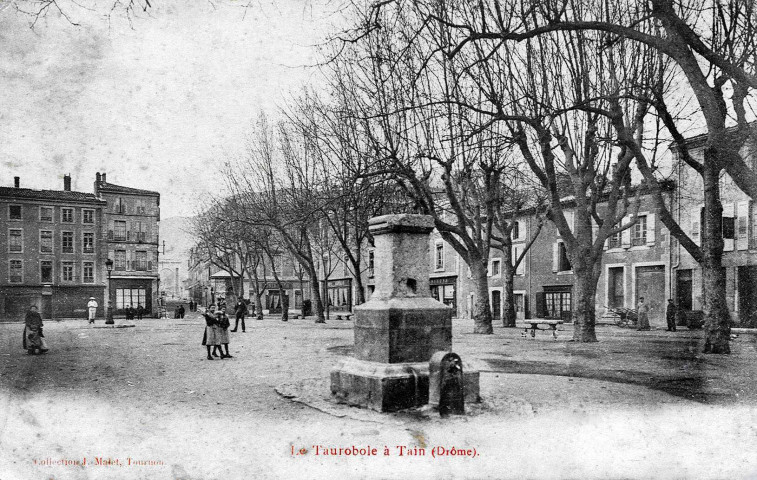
<point>210,338</point>
<point>223,323</point>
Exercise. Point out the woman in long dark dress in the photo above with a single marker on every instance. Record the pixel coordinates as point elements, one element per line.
<point>33,336</point>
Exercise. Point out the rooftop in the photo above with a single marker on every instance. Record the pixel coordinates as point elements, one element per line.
<point>54,195</point>
<point>113,188</point>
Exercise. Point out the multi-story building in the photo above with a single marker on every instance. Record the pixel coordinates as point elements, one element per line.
<point>52,250</point>
<point>131,221</point>
<point>739,237</point>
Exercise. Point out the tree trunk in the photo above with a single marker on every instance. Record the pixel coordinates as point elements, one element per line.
<point>508,316</point>
<point>584,296</point>
<point>717,325</point>
<point>482,314</point>
<point>316,294</point>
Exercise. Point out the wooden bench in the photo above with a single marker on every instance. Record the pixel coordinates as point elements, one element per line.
<point>535,324</point>
<point>343,316</point>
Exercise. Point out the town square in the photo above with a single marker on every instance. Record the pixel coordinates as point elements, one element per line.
<point>378,239</point>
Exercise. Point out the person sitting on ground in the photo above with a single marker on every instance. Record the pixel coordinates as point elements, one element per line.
<point>34,339</point>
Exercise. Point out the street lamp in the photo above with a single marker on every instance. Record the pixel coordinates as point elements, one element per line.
<point>109,311</point>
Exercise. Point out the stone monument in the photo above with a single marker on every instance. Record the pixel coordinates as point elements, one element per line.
<point>399,329</point>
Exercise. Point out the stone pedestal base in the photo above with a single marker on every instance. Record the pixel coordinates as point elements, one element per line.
<point>388,387</point>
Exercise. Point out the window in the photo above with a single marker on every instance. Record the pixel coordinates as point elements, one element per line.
<point>640,231</point>
<point>439,257</point>
<point>729,228</point>
<point>88,216</point>
<point>16,271</point>
<point>141,260</point>
<point>119,230</point>
<point>120,260</point>
<point>14,212</point>
<point>517,252</point>
<point>560,260</point>
<point>496,270</point>
<point>45,214</point>
<point>515,234</point>
<point>88,272</point>
<point>615,241</point>
<point>67,271</point>
<point>140,231</point>
<point>46,271</point>
<point>557,305</point>
<point>154,261</point>
<point>68,242</point>
<point>371,263</point>
<point>46,241</point>
<point>67,215</point>
<point>88,242</point>
<point>15,240</point>
<point>130,297</point>
<point>120,206</point>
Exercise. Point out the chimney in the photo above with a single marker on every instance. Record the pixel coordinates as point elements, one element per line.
<point>67,183</point>
<point>17,182</point>
<point>104,181</point>
<point>97,184</point>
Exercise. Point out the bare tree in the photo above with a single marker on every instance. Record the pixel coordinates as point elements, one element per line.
<point>712,46</point>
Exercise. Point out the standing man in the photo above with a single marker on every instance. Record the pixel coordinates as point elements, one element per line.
<point>140,311</point>
<point>92,309</point>
<point>670,315</point>
<point>240,309</point>
<point>643,315</point>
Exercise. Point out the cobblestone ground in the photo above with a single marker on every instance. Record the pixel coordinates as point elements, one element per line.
<point>634,405</point>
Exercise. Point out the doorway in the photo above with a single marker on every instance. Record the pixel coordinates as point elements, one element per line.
<point>684,289</point>
<point>650,284</point>
<point>496,304</point>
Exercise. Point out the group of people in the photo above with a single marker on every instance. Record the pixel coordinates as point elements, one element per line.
<point>131,312</point>
<point>217,325</point>
<point>192,306</point>
<point>179,311</point>
<point>672,313</point>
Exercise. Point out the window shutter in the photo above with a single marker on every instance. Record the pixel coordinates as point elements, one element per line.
<point>489,270</point>
<point>541,304</point>
<point>742,225</point>
<point>570,218</point>
<point>728,212</point>
<point>555,256</point>
<point>625,236</point>
<point>695,230</point>
<point>521,270</point>
<point>651,229</point>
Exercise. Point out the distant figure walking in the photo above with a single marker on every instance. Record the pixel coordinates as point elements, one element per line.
<point>643,310</point>
<point>240,310</point>
<point>181,311</point>
<point>191,306</point>
<point>129,313</point>
<point>140,311</point>
<point>92,309</point>
<point>670,315</point>
<point>34,339</point>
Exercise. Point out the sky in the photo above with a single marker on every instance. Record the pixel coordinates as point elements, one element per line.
<point>158,104</point>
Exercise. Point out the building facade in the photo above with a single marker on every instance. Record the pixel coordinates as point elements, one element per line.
<point>52,250</point>
<point>739,237</point>
<point>131,235</point>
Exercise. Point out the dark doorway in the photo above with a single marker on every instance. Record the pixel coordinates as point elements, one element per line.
<point>496,304</point>
<point>747,296</point>
<point>684,288</point>
<point>615,288</point>
<point>47,307</point>
<point>650,284</point>
<point>273,301</point>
